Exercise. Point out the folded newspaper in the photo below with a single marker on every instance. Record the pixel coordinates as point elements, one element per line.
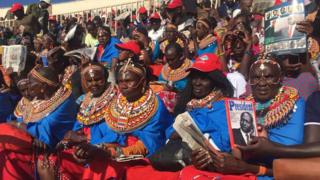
<point>192,135</point>
<point>14,56</point>
<point>89,52</point>
<point>128,158</point>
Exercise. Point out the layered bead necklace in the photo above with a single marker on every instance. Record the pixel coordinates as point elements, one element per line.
<point>176,74</point>
<point>92,109</point>
<point>124,117</point>
<point>277,112</point>
<point>20,108</point>
<point>215,95</point>
<point>38,109</point>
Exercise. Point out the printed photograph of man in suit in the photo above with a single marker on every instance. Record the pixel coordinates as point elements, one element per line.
<point>244,135</point>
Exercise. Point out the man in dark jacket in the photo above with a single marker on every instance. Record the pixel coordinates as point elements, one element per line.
<point>25,23</point>
<point>39,10</point>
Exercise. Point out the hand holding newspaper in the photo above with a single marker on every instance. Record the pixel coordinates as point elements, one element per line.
<point>191,134</point>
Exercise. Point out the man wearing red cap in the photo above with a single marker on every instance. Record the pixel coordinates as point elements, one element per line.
<point>157,30</point>
<point>143,17</point>
<point>178,17</point>
<point>25,23</point>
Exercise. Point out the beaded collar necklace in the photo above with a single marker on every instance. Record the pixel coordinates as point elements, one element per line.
<point>70,70</point>
<point>92,109</point>
<point>21,106</point>
<point>176,74</point>
<point>277,111</point>
<point>215,95</point>
<point>38,109</point>
<point>124,117</point>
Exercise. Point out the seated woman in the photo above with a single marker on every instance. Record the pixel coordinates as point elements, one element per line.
<point>203,99</point>
<point>45,120</point>
<point>90,122</point>
<point>135,124</point>
<point>280,112</point>
<point>261,147</point>
<point>174,72</point>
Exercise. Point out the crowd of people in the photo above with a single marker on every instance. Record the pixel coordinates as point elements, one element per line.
<point>70,114</point>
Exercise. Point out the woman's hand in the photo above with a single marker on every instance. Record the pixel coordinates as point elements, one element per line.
<point>75,138</point>
<point>86,152</point>
<point>258,148</point>
<point>37,144</point>
<point>44,169</point>
<point>202,159</point>
<point>305,27</point>
<point>227,164</point>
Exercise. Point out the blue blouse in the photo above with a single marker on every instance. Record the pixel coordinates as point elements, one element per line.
<point>211,48</point>
<point>212,121</point>
<point>52,128</point>
<point>179,85</point>
<point>110,51</point>
<point>152,134</point>
<point>7,106</point>
<point>290,133</point>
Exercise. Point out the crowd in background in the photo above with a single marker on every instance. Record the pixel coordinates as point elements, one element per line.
<point>72,113</point>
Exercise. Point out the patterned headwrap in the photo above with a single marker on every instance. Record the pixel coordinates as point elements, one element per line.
<point>41,78</point>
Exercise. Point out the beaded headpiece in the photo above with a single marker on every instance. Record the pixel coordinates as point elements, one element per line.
<point>129,66</point>
<point>263,60</point>
<point>22,81</point>
<point>89,69</point>
<point>41,78</point>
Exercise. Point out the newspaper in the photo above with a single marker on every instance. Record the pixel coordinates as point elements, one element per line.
<point>242,122</point>
<point>128,158</point>
<point>191,134</point>
<point>14,56</point>
<point>281,35</point>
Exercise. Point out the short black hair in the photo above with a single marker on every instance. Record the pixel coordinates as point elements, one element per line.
<point>106,28</point>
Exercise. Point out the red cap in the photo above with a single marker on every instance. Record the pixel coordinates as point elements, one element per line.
<point>174,4</point>
<point>52,18</point>
<point>155,16</point>
<point>277,2</point>
<point>15,7</point>
<point>206,63</point>
<point>131,45</point>
<point>142,10</point>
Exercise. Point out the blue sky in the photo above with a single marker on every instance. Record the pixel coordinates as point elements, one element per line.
<point>8,3</point>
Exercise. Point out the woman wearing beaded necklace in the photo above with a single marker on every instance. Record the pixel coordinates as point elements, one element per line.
<point>135,124</point>
<point>280,113</point>
<point>174,71</point>
<point>203,99</point>
<point>90,121</point>
<point>45,120</point>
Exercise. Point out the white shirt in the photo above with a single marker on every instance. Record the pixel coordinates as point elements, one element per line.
<point>238,82</point>
<point>156,35</point>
